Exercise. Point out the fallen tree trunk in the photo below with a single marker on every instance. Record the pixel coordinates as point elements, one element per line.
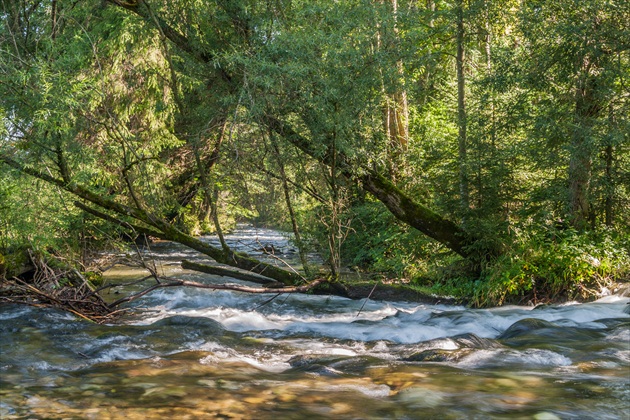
<point>396,200</point>
<point>227,272</point>
<point>237,260</point>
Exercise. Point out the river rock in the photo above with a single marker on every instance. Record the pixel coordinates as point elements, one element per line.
<point>622,290</point>
<point>207,324</point>
<point>421,397</point>
<point>305,360</point>
<point>473,341</point>
<point>464,343</point>
<point>438,355</point>
<point>545,415</point>
<point>525,326</point>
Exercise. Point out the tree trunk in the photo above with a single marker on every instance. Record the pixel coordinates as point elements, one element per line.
<point>608,205</point>
<point>287,198</point>
<point>227,272</point>
<point>461,112</point>
<point>397,201</point>
<point>587,109</point>
<point>208,195</point>
<point>416,215</point>
<point>395,109</point>
<point>579,181</point>
<point>608,175</point>
<point>488,50</point>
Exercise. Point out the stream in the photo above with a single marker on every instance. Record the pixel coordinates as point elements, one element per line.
<point>196,354</point>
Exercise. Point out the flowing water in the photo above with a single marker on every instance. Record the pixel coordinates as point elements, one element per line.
<point>193,353</point>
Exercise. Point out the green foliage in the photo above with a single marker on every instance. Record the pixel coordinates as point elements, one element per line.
<point>33,212</point>
<point>552,264</point>
<point>380,243</point>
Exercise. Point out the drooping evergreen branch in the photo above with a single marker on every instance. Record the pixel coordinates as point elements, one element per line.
<point>141,8</point>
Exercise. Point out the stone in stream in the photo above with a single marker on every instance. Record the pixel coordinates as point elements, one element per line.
<point>473,341</point>
<point>332,365</point>
<point>539,333</point>
<point>189,321</point>
<point>270,249</point>
<point>464,344</point>
<point>315,364</point>
<point>438,355</point>
<point>421,397</point>
<point>525,326</point>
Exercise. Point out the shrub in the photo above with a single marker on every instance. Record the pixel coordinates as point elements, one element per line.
<point>554,266</point>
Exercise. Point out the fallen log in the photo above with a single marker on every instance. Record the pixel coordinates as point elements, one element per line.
<point>227,272</point>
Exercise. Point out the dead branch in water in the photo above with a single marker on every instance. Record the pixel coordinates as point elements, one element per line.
<point>58,285</point>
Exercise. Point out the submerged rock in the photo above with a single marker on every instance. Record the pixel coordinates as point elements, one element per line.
<point>316,364</point>
<point>473,341</point>
<point>460,346</point>
<point>541,334</point>
<point>623,290</point>
<point>438,355</point>
<point>525,326</point>
<point>420,397</point>
<point>207,324</point>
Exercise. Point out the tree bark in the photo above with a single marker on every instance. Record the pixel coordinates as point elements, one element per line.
<point>227,272</point>
<point>397,201</point>
<point>587,108</point>
<point>208,193</point>
<point>417,215</point>
<point>395,109</point>
<point>461,111</point>
<point>608,205</point>
<point>287,198</point>
<point>579,181</point>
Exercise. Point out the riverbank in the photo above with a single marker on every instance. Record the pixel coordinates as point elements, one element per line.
<point>43,281</point>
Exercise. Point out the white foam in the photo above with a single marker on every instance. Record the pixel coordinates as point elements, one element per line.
<point>15,312</point>
<point>372,391</point>
<point>337,318</point>
<point>531,358</point>
<point>268,362</point>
